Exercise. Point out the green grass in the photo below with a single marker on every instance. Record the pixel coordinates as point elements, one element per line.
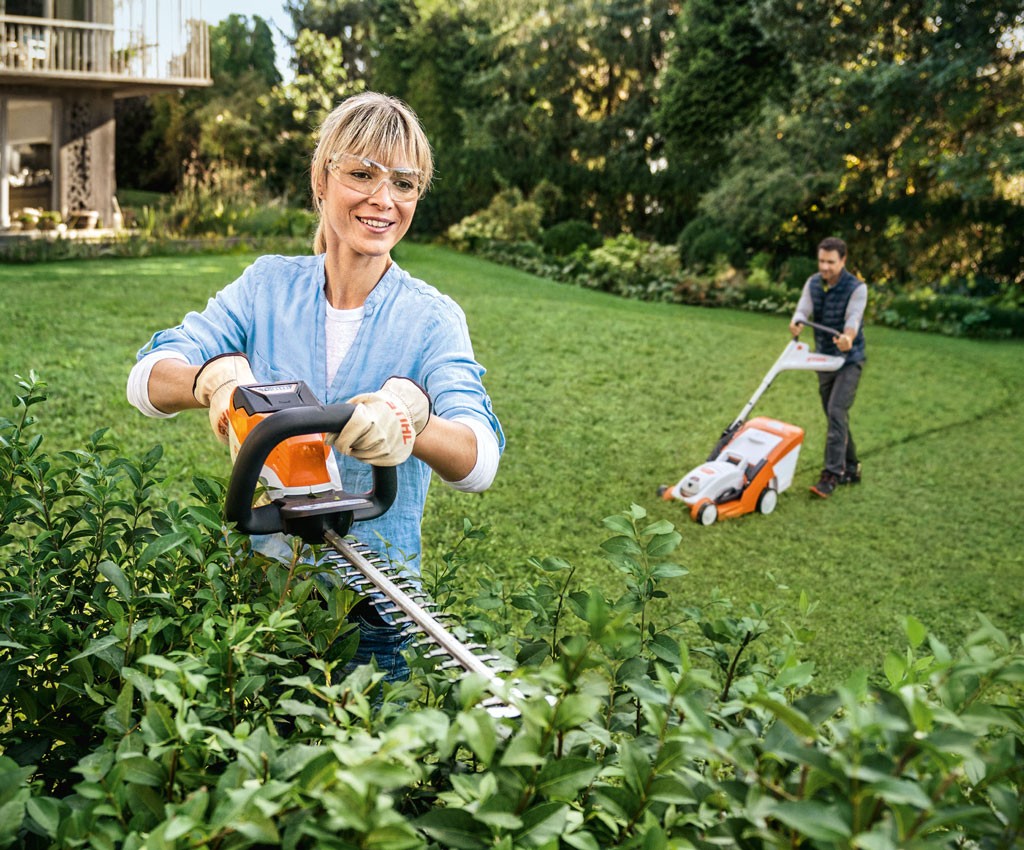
<point>602,400</point>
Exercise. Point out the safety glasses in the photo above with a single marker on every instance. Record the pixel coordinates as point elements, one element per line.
<point>365,176</point>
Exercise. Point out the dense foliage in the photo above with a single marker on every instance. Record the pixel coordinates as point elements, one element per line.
<point>161,686</point>
<point>771,123</point>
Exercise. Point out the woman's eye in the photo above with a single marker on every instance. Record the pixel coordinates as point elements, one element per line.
<point>403,184</point>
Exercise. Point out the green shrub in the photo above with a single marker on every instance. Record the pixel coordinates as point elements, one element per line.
<point>703,243</point>
<point>560,240</point>
<point>796,270</point>
<point>764,295</point>
<point>163,687</point>
<point>631,267</point>
<point>953,315</point>
<point>223,200</point>
<point>509,217</point>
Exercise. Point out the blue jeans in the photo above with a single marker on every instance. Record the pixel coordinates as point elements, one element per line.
<point>380,640</point>
<point>838,390</point>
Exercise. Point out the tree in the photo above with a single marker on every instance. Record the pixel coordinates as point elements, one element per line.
<point>226,122</point>
<point>720,72</point>
<point>239,49</point>
<point>568,96</point>
<point>917,108</point>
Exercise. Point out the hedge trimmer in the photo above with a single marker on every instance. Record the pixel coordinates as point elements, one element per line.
<point>278,430</point>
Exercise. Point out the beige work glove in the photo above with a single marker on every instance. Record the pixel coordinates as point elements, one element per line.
<point>384,425</point>
<point>215,382</point>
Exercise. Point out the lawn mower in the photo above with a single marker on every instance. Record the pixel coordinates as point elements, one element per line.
<point>278,430</point>
<point>754,461</point>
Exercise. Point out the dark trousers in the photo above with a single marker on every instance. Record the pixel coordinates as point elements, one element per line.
<point>838,390</point>
<point>381,641</point>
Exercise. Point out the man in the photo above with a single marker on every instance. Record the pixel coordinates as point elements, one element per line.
<point>836,298</point>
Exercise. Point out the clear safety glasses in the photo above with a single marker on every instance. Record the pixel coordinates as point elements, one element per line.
<point>365,176</point>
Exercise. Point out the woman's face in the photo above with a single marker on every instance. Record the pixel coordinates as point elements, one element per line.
<point>368,204</point>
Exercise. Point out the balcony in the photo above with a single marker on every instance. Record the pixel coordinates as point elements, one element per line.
<point>36,51</point>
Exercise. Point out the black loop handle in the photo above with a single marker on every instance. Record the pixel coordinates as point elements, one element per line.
<point>824,328</point>
<point>275,429</point>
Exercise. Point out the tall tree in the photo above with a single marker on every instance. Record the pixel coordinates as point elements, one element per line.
<point>364,29</point>
<point>720,72</point>
<point>227,122</point>
<point>916,107</point>
<point>568,97</point>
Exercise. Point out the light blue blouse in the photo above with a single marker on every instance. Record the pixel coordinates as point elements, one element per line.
<point>275,314</point>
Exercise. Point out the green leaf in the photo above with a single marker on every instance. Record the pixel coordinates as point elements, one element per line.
<point>902,791</point>
<point>796,675</point>
<point>661,571</point>
<point>115,575</point>
<point>523,751</point>
<point>663,544</point>
<point>257,827</point>
<point>12,813</point>
<point>894,667</point>
<point>45,811</point>
<point>563,778</point>
<point>817,821</point>
<point>793,718</point>
<point>95,646</point>
<point>158,726</point>
<point>635,766</point>
<point>575,710</point>
<point>554,565</point>
<point>541,824</point>
<point>878,839</point>
<point>139,770</point>
<point>160,662</point>
<point>454,828</point>
<point>479,733</point>
<point>914,630</point>
<point>619,524</point>
<point>161,546</point>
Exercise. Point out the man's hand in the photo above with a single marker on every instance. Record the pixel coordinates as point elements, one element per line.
<point>795,328</point>
<point>384,425</point>
<point>214,384</point>
<point>844,342</point>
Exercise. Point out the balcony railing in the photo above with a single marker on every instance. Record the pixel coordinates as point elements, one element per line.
<point>44,47</point>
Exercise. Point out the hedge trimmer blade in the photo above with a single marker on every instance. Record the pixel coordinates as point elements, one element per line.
<point>400,602</point>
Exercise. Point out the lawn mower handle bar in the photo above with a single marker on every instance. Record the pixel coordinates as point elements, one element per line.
<point>294,422</point>
<point>818,327</point>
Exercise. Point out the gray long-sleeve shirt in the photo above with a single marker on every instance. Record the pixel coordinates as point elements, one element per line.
<point>854,309</point>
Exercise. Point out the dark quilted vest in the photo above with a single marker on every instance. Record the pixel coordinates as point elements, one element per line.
<point>830,310</point>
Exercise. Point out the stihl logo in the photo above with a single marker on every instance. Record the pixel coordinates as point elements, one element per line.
<point>407,434</point>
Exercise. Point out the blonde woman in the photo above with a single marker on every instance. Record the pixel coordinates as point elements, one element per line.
<point>355,327</point>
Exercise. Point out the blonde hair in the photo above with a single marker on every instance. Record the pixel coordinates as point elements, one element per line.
<point>374,125</point>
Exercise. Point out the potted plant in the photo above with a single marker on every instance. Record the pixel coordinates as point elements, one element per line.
<point>29,219</point>
<point>49,220</point>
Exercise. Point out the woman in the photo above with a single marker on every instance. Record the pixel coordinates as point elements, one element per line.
<point>355,327</point>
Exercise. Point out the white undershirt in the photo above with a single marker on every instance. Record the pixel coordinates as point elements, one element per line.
<point>342,327</point>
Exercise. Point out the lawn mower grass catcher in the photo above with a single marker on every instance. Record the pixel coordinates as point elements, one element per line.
<point>278,431</point>
<point>754,461</point>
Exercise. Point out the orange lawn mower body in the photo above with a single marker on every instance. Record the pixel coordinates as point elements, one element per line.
<point>752,462</point>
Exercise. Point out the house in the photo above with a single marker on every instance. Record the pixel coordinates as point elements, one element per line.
<point>62,65</point>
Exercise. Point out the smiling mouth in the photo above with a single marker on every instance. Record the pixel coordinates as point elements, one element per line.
<point>375,223</point>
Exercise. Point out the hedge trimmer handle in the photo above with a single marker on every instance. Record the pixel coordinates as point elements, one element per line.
<point>306,515</point>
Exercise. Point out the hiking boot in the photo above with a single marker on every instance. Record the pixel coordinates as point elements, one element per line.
<point>826,485</point>
<point>850,475</point>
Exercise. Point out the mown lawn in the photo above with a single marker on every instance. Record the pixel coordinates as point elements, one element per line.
<point>602,400</point>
